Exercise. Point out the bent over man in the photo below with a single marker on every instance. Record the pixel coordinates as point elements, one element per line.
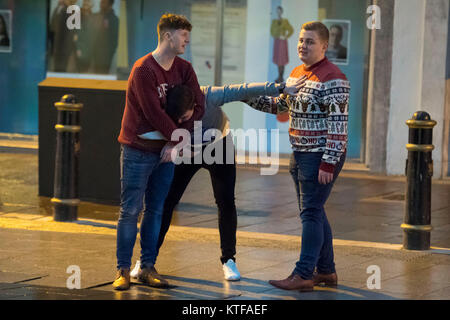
<point>223,169</point>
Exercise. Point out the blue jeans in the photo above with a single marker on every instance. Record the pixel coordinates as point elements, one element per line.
<point>317,238</point>
<point>142,177</point>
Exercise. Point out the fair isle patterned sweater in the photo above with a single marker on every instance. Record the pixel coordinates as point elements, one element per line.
<point>318,114</point>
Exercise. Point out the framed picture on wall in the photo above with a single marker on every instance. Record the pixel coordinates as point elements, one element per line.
<point>6,31</point>
<point>339,42</point>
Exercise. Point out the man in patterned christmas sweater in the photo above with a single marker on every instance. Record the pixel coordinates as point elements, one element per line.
<point>318,135</point>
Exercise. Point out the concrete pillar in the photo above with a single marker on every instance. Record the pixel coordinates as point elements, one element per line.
<point>418,75</point>
<point>256,57</point>
<point>380,69</point>
<point>433,76</point>
<point>446,139</point>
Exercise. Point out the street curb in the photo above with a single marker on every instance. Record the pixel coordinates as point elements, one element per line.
<point>182,233</point>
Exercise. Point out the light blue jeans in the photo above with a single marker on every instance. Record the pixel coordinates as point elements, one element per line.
<point>143,179</point>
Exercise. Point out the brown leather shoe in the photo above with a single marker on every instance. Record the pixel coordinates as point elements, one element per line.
<point>151,277</point>
<point>122,281</point>
<point>294,282</point>
<point>329,280</point>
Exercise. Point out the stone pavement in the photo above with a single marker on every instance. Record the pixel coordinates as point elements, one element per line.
<point>365,212</point>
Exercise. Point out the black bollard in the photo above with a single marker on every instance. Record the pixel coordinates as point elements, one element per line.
<point>65,193</point>
<point>419,171</point>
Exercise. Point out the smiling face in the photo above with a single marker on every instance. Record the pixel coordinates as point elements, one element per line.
<point>310,47</point>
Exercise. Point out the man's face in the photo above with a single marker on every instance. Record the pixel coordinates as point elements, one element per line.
<point>186,116</point>
<point>335,37</point>
<point>310,47</point>
<point>87,4</point>
<point>69,2</point>
<point>104,5</point>
<point>279,12</point>
<point>178,40</point>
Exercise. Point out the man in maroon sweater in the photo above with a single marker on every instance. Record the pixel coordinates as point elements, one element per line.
<point>146,166</point>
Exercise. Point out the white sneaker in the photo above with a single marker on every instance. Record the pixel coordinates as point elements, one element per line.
<point>134,273</point>
<point>230,271</point>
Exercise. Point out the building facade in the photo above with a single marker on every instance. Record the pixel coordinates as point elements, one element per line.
<point>394,52</point>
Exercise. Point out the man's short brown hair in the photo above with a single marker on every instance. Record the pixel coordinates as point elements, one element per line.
<point>170,21</point>
<point>319,27</point>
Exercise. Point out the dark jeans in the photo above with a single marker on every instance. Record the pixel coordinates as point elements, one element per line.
<point>223,179</point>
<point>317,238</point>
<point>142,177</point>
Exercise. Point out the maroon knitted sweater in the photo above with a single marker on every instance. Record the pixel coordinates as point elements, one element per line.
<point>146,98</point>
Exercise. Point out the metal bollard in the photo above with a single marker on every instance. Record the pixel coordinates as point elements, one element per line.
<point>65,193</point>
<point>419,171</point>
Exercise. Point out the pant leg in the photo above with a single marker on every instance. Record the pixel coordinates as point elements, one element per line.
<point>293,169</point>
<point>223,179</point>
<point>136,167</point>
<point>157,188</point>
<point>183,174</point>
<point>313,196</point>
<point>325,264</point>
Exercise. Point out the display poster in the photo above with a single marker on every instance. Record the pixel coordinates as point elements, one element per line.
<point>6,35</point>
<point>339,41</point>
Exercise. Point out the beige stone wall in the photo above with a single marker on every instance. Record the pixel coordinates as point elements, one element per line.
<point>446,140</point>
<point>418,76</point>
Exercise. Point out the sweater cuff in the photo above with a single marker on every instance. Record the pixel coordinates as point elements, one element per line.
<point>327,167</point>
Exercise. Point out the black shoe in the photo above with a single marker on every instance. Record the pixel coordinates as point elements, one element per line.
<point>151,277</point>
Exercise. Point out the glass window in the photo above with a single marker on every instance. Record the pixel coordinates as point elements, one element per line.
<point>143,17</point>
<point>83,38</point>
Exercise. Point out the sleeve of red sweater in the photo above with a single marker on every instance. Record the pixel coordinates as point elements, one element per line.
<point>199,108</point>
<point>336,98</point>
<point>146,93</point>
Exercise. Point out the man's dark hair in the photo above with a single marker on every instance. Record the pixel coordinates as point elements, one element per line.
<point>4,31</point>
<point>180,99</point>
<point>319,27</point>
<point>170,21</point>
<point>341,31</point>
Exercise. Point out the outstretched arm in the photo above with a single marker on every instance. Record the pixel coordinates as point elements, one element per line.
<point>218,96</point>
<point>273,105</point>
<point>277,105</point>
